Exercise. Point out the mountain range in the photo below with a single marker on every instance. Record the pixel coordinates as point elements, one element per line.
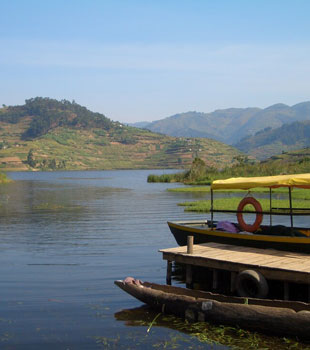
<point>268,142</point>
<point>229,125</point>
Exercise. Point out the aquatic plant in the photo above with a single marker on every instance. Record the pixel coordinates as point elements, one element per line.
<point>4,179</point>
<point>231,203</point>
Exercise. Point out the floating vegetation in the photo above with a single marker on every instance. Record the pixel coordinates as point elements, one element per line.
<point>5,337</point>
<point>297,193</point>
<point>85,178</point>
<point>231,203</point>
<point>4,179</point>
<point>56,207</point>
<point>108,343</point>
<point>201,335</point>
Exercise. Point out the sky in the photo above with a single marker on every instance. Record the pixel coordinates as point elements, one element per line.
<point>144,60</point>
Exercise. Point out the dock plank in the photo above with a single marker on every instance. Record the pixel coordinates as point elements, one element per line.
<point>275,264</point>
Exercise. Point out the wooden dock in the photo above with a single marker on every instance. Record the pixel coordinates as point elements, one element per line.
<point>288,267</point>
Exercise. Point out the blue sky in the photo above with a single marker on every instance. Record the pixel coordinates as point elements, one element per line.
<point>145,60</point>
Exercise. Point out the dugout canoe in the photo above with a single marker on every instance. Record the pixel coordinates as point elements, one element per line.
<point>283,318</point>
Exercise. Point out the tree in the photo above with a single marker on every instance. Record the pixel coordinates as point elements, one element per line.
<point>62,164</point>
<point>198,169</point>
<point>30,159</point>
<point>242,160</point>
<point>52,164</point>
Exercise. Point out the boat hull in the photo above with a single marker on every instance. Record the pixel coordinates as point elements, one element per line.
<point>269,316</point>
<point>203,234</point>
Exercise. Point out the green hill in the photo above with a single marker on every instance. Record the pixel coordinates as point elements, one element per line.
<point>46,134</point>
<point>230,125</point>
<point>269,142</point>
<point>47,114</point>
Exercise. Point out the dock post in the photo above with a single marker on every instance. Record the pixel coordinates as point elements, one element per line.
<point>233,276</point>
<point>169,272</point>
<point>189,276</point>
<point>286,291</point>
<point>215,279</point>
<point>190,242</point>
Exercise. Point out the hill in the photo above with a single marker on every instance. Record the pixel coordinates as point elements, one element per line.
<point>230,125</point>
<point>46,134</point>
<point>268,142</point>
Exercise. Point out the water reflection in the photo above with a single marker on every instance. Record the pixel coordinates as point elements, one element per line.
<point>201,334</point>
<point>65,237</point>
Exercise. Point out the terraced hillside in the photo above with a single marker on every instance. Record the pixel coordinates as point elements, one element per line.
<point>46,134</point>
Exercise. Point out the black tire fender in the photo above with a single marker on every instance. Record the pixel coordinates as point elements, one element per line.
<point>251,283</point>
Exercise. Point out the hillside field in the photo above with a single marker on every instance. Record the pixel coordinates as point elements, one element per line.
<point>60,137</point>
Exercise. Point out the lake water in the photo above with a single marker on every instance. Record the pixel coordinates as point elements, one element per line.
<point>65,237</point>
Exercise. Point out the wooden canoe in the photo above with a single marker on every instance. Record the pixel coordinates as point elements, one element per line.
<point>284,318</point>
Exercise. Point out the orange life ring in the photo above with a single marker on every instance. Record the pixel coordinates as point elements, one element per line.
<point>259,216</point>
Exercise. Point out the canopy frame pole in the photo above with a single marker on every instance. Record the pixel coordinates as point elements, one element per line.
<point>211,208</point>
<point>270,200</point>
<point>291,208</point>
